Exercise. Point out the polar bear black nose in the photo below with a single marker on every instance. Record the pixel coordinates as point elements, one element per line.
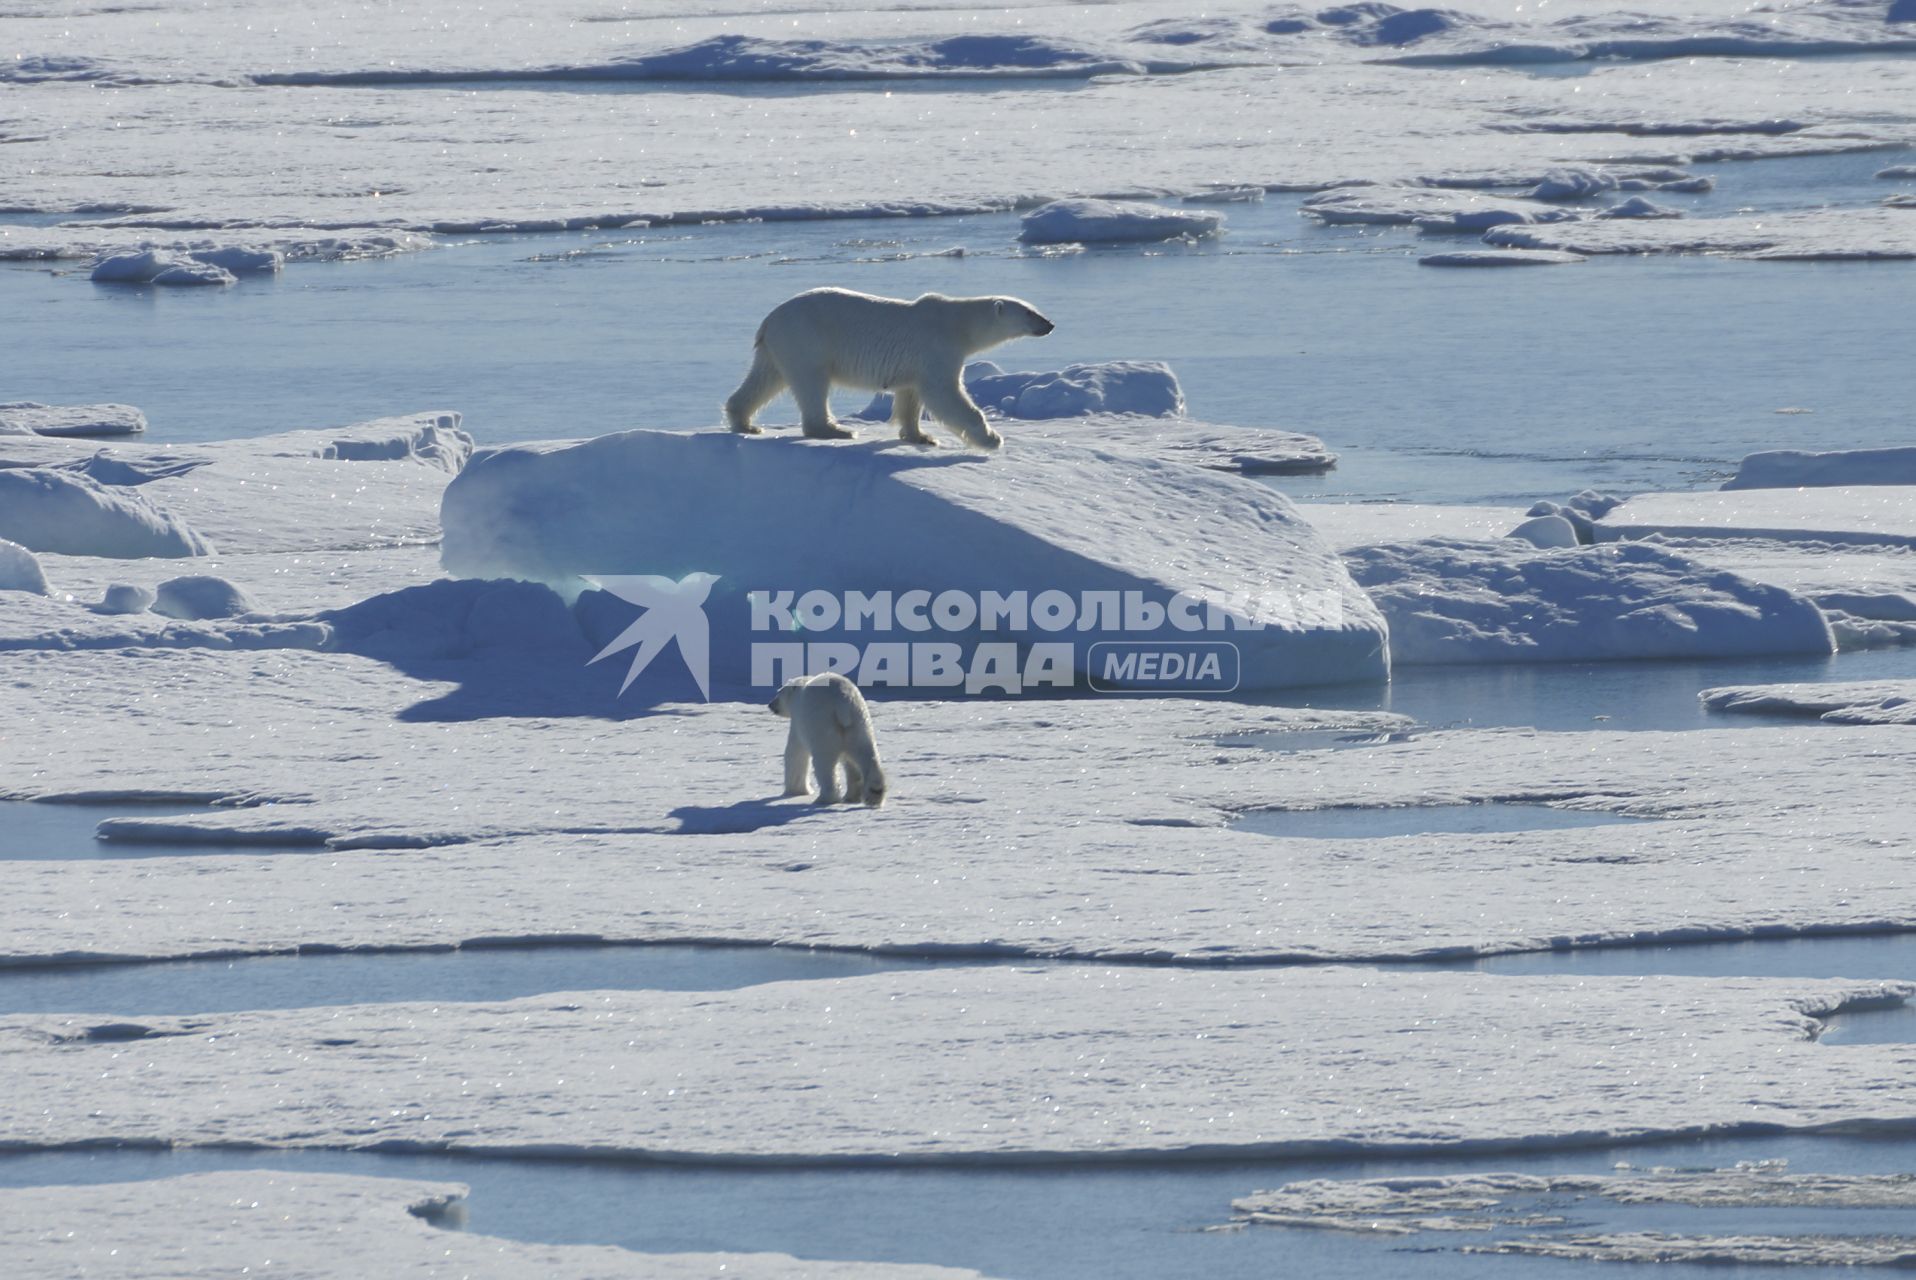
<point>1045,326</point>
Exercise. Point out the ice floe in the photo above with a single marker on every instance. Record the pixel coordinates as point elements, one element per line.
<point>1456,601</point>
<point>1794,468</point>
<point>1815,235</point>
<point>1879,514</point>
<point>979,1064</point>
<point>324,1226</point>
<point>1500,258</point>
<point>1145,387</point>
<point>1114,222</point>
<point>1030,520</point>
<point>1535,1203</point>
<point>27,417</point>
<point>1840,702</point>
<point>542,817</point>
<point>1638,207</point>
<point>1432,209</point>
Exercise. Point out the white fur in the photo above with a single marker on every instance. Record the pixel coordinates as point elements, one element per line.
<point>830,725</point>
<point>915,350</point>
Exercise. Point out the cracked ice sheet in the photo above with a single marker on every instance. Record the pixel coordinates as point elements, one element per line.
<point>332,1227</point>
<point>976,1063</point>
<point>1482,1202</point>
<point>1106,839</point>
<point>455,159</point>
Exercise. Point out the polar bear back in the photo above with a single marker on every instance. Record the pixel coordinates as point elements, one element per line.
<point>878,344</point>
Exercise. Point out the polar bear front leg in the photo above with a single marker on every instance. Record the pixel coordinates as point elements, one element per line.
<point>825,770</point>
<point>908,412</point>
<point>950,405</point>
<point>813,394</point>
<point>798,762</point>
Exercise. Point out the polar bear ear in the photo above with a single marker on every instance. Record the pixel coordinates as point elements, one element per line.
<point>998,305</point>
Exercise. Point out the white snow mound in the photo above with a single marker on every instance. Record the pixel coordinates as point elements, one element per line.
<point>197,597</point>
<point>792,515</point>
<point>1145,387</point>
<point>20,570</point>
<point>159,266</point>
<point>1113,222</point>
<point>63,512</point>
<point>1449,600</point>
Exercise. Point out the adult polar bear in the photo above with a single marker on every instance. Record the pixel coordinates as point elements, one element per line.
<point>915,350</point>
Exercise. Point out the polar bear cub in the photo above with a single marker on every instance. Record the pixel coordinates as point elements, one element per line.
<point>915,350</point>
<point>830,723</point>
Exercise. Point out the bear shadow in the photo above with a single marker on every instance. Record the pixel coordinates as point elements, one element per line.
<point>742,816</point>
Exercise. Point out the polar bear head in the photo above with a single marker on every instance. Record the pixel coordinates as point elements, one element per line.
<point>1019,319</point>
<point>983,323</point>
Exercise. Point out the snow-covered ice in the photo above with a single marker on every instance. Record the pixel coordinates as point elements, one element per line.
<point>1145,387</point>
<point>1114,222</point>
<point>985,1063</point>
<point>44,509</point>
<point>1456,601</point>
<point>197,597</point>
<point>1840,702</point>
<point>1794,468</point>
<point>541,818</point>
<point>159,266</point>
<point>1639,207</point>
<point>1031,519</point>
<point>27,417</point>
<point>1547,531</point>
<point>127,597</point>
<point>1430,208</point>
<point>317,1226</point>
<point>1883,514</point>
<point>1477,1203</point>
<point>1815,235</point>
<point>19,570</point>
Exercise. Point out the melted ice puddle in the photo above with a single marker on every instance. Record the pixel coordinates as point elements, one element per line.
<point>33,830</point>
<point>1364,822</point>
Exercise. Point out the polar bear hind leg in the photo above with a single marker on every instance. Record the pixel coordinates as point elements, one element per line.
<point>813,394</point>
<point>908,412</point>
<point>825,771</point>
<point>762,382</point>
<point>951,406</point>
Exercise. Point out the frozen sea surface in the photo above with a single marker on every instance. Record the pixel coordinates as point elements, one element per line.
<point>1144,1221</point>
<point>1466,396</point>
